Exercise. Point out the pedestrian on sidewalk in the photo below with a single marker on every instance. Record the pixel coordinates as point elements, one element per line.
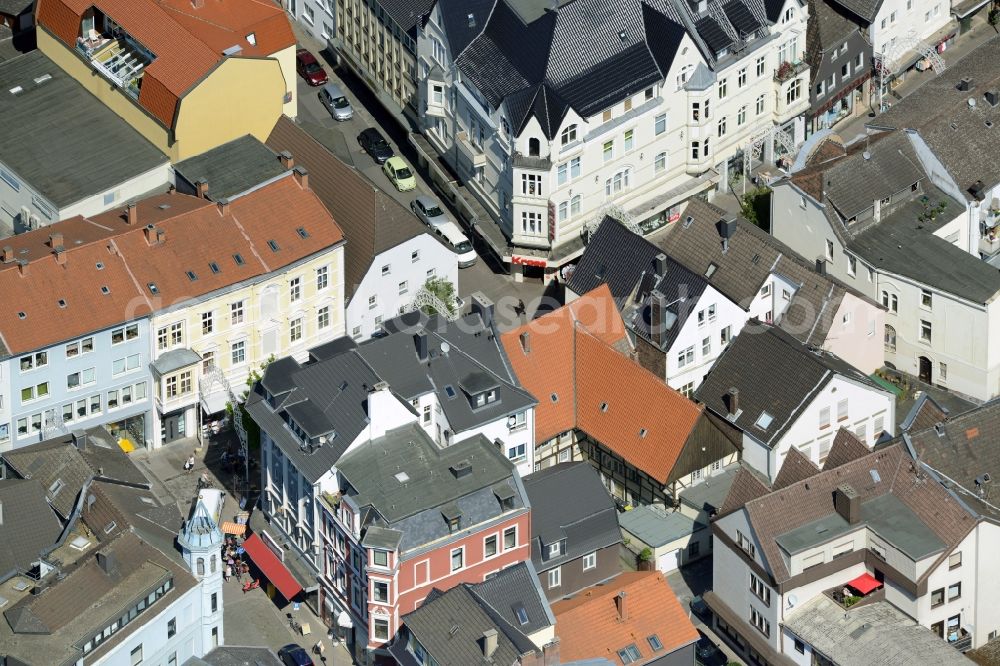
<point>189,464</point>
<point>229,573</point>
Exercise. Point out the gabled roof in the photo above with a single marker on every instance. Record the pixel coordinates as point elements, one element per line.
<point>776,375</point>
<point>794,468</point>
<point>29,525</point>
<point>747,486</point>
<point>832,24</point>
<point>543,366</point>
<point>372,221</point>
<point>414,505</point>
<point>232,168</point>
<point>863,9</point>
<point>464,356</point>
<point>925,413</point>
<point>569,504</point>
<point>53,127</point>
<point>187,42</point>
<point>590,625</point>
<point>922,517</point>
<point>512,594</point>
<point>846,448</point>
<point>62,301</point>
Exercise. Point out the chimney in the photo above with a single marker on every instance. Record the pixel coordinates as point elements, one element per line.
<point>22,267</point>
<point>660,264</point>
<point>131,215</point>
<point>525,342</point>
<point>201,189</point>
<point>489,643</point>
<point>301,176</point>
<point>60,253</point>
<point>621,606</point>
<point>657,317</point>
<point>150,233</point>
<point>733,401</point>
<point>223,205</point>
<point>161,235</point>
<point>80,439</point>
<point>55,240</point>
<point>821,265</point>
<point>551,652</point>
<point>965,84</point>
<point>847,503</point>
<point>40,586</point>
<point>726,229</point>
<point>461,469</point>
<point>8,254</point>
<point>483,306</point>
<point>107,562</point>
<point>992,97</point>
<point>420,338</point>
<point>286,159</point>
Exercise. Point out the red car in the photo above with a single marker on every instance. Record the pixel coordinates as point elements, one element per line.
<point>309,68</point>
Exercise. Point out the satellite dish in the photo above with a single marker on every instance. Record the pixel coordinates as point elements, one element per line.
<point>445,348</point>
<point>792,600</point>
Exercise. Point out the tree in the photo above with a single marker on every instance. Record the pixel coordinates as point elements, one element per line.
<point>755,207</point>
<point>444,290</point>
<point>249,425</point>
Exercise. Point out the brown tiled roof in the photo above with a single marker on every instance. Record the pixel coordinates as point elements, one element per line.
<point>373,221</point>
<point>547,369</point>
<point>746,486</point>
<point>794,468</point>
<point>805,501</point>
<point>114,254</point>
<point>589,625</point>
<point>187,42</point>
<point>927,413</point>
<point>846,448</point>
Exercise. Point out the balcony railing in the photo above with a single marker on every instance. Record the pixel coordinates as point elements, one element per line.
<point>119,59</point>
<point>963,644</point>
<point>788,70</point>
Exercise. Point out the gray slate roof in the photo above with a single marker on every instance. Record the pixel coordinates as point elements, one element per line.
<point>475,358</point>
<point>60,139</point>
<point>569,501</point>
<point>513,588</point>
<point>329,396</point>
<point>774,373</point>
<point>231,168</point>
<point>236,655</point>
<point>710,494</point>
<point>833,24</point>
<point>626,263</point>
<point>876,634</point>
<point>863,9</point>
<point>656,528</point>
<point>414,507</point>
<point>968,151</point>
<point>29,526</point>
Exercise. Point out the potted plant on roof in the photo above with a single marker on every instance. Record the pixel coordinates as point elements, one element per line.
<point>784,70</point>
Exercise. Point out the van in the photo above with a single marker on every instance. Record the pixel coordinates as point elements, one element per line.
<point>336,102</point>
<point>458,242</point>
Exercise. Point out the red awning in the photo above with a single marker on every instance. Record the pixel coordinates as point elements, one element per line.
<point>271,567</point>
<point>864,583</point>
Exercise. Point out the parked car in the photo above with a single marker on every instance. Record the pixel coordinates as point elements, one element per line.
<point>294,655</point>
<point>309,68</point>
<point>373,143</point>
<point>699,607</point>
<point>459,243</point>
<point>708,653</point>
<point>336,102</point>
<point>428,211</point>
<point>399,174</point>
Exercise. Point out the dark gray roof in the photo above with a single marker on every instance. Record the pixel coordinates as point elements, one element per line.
<point>331,395</point>
<point>450,626</point>
<point>657,528</point>
<point>29,526</point>
<point>154,518</point>
<point>711,493</point>
<point>380,537</point>
<point>774,373</point>
<point>569,502</point>
<point>863,9</point>
<point>966,449</point>
<point>954,131</point>
<point>231,168</point>
<point>853,184</point>
<point>833,24</point>
<point>457,27</point>
<point>51,129</point>
<point>510,590</point>
<point>414,505</point>
<point>407,14</point>
<point>175,359</point>
<point>475,361</point>
<point>626,263</point>
<point>235,655</point>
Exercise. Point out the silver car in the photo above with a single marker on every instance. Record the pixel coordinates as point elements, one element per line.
<point>336,102</point>
<point>429,211</point>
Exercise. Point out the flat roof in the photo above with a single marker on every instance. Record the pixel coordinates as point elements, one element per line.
<point>712,492</point>
<point>656,528</point>
<point>60,139</point>
<point>232,168</point>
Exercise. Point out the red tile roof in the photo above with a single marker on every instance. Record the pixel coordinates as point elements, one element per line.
<point>196,233</point>
<point>599,389</point>
<point>187,42</point>
<point>589,625</point>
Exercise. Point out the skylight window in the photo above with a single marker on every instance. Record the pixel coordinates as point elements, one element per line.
<point>710,271</point>
<point>105,289</point>
<point>21,315</point>
<point>153,289</point>
<point>191,275</point>
<point>238,258</point>
<point>252,39</point>
<point>302,232</point>
<point>100,266</point>
<point>654,643</point>
<point>763,421</point>
<point>214,267</point>
<point>273,245</point>
<point>522,614</point>
<point>604,406</point>
<point>62,302</point>
<point>643,432</point>
<point>450,390</point>
<point>554,397</point>
<point>402,477</point>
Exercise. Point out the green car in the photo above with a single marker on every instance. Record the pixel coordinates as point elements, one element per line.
<point>400,174</point>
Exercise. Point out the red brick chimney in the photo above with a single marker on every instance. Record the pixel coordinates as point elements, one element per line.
<point>8,254</point>
<point>621,606</point>
<point>551,652</point>
<point>22,267</point>
<point>201,187</point>
<point>60,255</point>
<point>131,215</point>
<point>302,176</point>
<point>286,159</point>
<point>223,207</point>
<point>55,240</point>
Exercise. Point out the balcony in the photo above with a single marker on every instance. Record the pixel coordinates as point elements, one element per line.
<point>118,59</point>
<point>791,90</point>
<point>963,642</point>
<point>472,153</point>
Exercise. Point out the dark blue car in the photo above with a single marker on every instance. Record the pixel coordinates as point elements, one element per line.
<point>294,655</point>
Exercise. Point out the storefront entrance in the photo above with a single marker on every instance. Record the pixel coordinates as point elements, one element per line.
<point>173,427</point>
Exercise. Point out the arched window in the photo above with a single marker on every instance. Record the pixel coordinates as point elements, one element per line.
<point>890,338</point>
<point>568,135</point>
<point>212,564</point>
<point>534,147</point>
<point>201,566</point>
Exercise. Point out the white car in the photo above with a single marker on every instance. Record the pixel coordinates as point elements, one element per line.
<point>459,243</point>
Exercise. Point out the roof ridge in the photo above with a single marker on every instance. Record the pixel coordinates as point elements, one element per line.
<point>249,240</point>
<point>131,275</point>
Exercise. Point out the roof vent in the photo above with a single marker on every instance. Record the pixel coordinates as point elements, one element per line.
<point>965,84</point>
<point>461,469</point>
<point>39,80</point>
<point>867,155</point>
<point>472,20</point>
<point>688,221</point>
<point>972,102</point>
<point>622,36</point>
<point>252,39</point>
<point>232,50</point>
<point>402,477</point>
<point>604,406</point>
<point>16,90</point>
<point>992,97</point>
<point>939,429</point>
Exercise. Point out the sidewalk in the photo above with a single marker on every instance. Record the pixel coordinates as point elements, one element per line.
<point>981,33</point>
